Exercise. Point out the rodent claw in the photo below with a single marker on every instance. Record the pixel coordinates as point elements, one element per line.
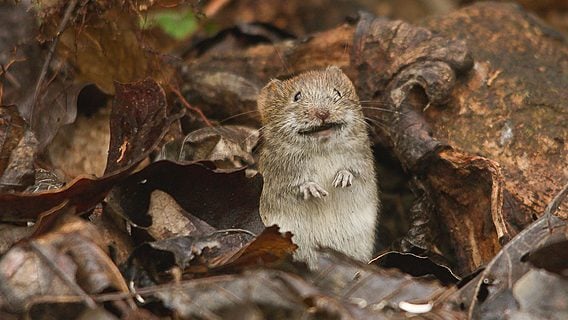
<point>343,178</point>
<point>313,189</point>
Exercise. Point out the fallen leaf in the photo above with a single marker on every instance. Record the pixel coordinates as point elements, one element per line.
<point>63,261</point>
<point>218,252</point>
<point>490,293</point>
<point>10,234</point>
<point>237,37</point>
<point>83,192</point>
<point>20,172</point>
<point>260,293</point>
<point>190,254</point>
<point>148,118</point>
<point>45,180</point>
<point>12,129</point>
<point>541,295</point>
<point>416,266</point>
<point>105,43</point>
<point>227,146</point>
<point>269,248</point>
<point>82,147</point>
<point>138,121</point>
<point>225,199</point>
<point>551,253</point>
<point>344,290</point>
<point>169,219</point>
<point>114,234</point>
<point>46,106</point>
<point>381,291</point>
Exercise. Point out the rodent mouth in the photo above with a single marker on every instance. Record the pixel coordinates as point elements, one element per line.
<point>323,130</point>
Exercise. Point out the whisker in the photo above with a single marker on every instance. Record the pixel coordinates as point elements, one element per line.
<point>238,115</point>
<point>377,102</point>
<point>390,105</point>
<point>282,60</point>
<point>383,109</point>
<point>372,104</point>
<point>362,121</point>
<point>365,123</point>
<point>379,124</point>
<point>374,125</point>
<point>257,131</point>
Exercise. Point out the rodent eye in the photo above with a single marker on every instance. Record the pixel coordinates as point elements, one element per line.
<point>337,94</point>
<point>297,96</point>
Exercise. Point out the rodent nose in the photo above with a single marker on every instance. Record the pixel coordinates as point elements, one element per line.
<point>322,114</point>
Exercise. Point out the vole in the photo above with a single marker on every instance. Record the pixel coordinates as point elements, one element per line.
<point>317,164</point>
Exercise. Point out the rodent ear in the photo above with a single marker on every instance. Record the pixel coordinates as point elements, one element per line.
<point>334,69</point>
<point>272,84</point>
<point>269,90</point>
<point>338,74</point>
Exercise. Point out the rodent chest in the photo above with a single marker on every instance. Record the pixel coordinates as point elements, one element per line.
<point>321,169</point>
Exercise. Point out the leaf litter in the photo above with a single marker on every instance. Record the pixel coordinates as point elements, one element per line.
<point>171,228</point>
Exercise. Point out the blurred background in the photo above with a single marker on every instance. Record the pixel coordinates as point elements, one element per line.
<point>301,17</point>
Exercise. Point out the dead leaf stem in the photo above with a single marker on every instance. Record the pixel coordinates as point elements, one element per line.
<point>88,300</point>
<point>190,107</point>
<point>554,204</point>
<point>62,25</point>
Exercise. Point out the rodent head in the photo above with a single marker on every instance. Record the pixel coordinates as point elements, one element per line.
<point>313,107</point>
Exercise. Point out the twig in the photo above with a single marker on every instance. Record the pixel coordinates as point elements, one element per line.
<point>8,76</point>
<point>62,25</point>
<point>190,107</point>
<point>234,231</point>
<point>214,6</point>
<point>90,302</point>
<point>4,72</point>
<point>554,204</point>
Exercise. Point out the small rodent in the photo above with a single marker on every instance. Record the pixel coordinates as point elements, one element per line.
<point>317,164</point>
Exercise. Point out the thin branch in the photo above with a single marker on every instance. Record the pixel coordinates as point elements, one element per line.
<point>190,107</point>
<point>88,300</point>
<point>62,25</point>
<point>554,204</point>
<point>214,6</point>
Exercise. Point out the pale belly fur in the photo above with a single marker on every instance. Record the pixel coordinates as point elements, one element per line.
<point>344,220</point>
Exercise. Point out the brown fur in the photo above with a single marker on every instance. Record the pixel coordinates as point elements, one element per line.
<point>307,177</point>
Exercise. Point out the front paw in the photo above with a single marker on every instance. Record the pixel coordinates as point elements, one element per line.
<point>312,189</point>
<point>343,179</point>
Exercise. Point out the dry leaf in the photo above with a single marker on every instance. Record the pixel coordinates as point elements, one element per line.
<point>67,258</point>
<point>169,219</point>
